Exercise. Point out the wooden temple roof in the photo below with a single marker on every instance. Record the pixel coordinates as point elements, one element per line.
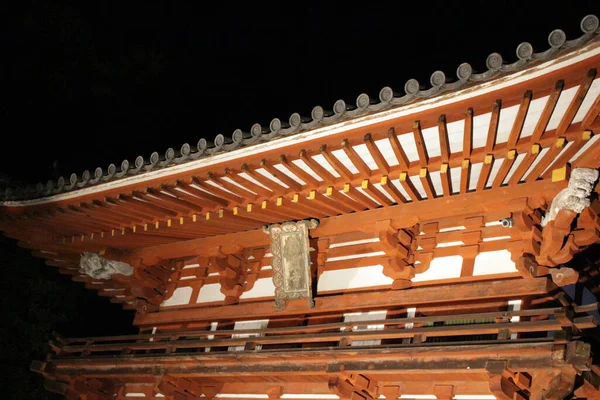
<point>388,99</point>
<point>458,176</point>
<point>464,153</point>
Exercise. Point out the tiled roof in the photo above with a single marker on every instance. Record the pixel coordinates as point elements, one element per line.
<point>413,91</point>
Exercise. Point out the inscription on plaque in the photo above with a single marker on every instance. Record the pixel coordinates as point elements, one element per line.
<point>291,261</point>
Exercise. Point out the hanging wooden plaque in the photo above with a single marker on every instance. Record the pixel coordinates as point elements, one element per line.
<point>291,261</point>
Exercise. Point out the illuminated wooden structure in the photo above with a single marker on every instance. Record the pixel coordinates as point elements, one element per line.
<point>436,270</point>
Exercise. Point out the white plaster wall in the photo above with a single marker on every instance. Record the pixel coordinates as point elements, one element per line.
<point>353,278</point>
<point>209,293</point>
<point>262,288</point>
<point>441,268</point>
<point>180,296</point>
<point>493,262</point>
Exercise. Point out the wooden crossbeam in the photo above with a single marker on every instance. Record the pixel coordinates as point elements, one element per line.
<point>569,115</point>
<point>263,180</point>
<point>548,158</point>
<point>204,196</point>
<point>569,152</point>
<point>391,189</point>
<point>517,127</point>
<point>425,178</point>
<point>398,150</point>
<point>592,114</point>
<point>316,167</point>
<point>283,177</point>
<point>335,195</point>
<point>114,210</point>
<point>446,180</point>
<point>241,192</point>
<point>493,127</point>
<point>465,176</point>
<point>357,160</point>
<point>359,197</point>
<point>174,201</point>
<point>542,123</point>
<point>484,175</point>
<point>284,214</point>
<point>196,201</point>
<point>443,135</point>
<point>218,191</point>
<point>144,205</point>
<point>517,176</point>
<point>504,168</point>
<point>327,204</point>
<point>468,134</point>
<point>420,143</point>
<point>127,208</point>
<point>299,172</point>
<point>299,207</point>
<point>264,190</point>
<point>409,187</point>
<point>336,164</point>
<point>375,193</point>
<point>382,164</point>
<point>480,291</point>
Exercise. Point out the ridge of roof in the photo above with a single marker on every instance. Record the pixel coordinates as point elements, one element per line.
<point>439,83</point>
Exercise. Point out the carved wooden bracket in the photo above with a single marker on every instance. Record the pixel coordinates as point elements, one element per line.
<point>238,269</point>
<point>93,389</point>
<point>529,268</point>
<point>399,246</point>
<point>188,389</point>
<point>354,387</point>
<point>149,285</point>
<point>559,240</point>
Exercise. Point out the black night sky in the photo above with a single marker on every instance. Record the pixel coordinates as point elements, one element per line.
<point>85,85</point>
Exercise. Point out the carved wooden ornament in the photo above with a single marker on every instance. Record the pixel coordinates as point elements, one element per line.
<point>291,261</point>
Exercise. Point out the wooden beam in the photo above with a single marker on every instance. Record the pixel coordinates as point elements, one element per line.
<point>408,186</point>
<point>549,157</point>
<point>283,177</point>
<point>517,127</point>
<point>359,197</point>
<point>514,288</point>
<point>427,184</point>
<point>347,201</point>
<point>217,191</point>
<point>336,164</point>
<point>517,176</point>
<point>201,194</point>
<point>465,176</point>
<point>504,168</point>
<point>493,128</point>
<point>375,193</point>
<point>391,189</point>
<point>484,175</point>
<point>321,171</point>
<point>420,143</point>
<point>241,192</point>
<point>567,119</point>
<point>468,134</point>
<point>404,216</point>
<point>398,150</point>
<point>357,160</point>
<point>542,123</point>
<point>264,187</point>
<point>382,164</point>
<point>568,153</point>
<point>299,172</point>
<point>446,180</point>
<point>443,135</point>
